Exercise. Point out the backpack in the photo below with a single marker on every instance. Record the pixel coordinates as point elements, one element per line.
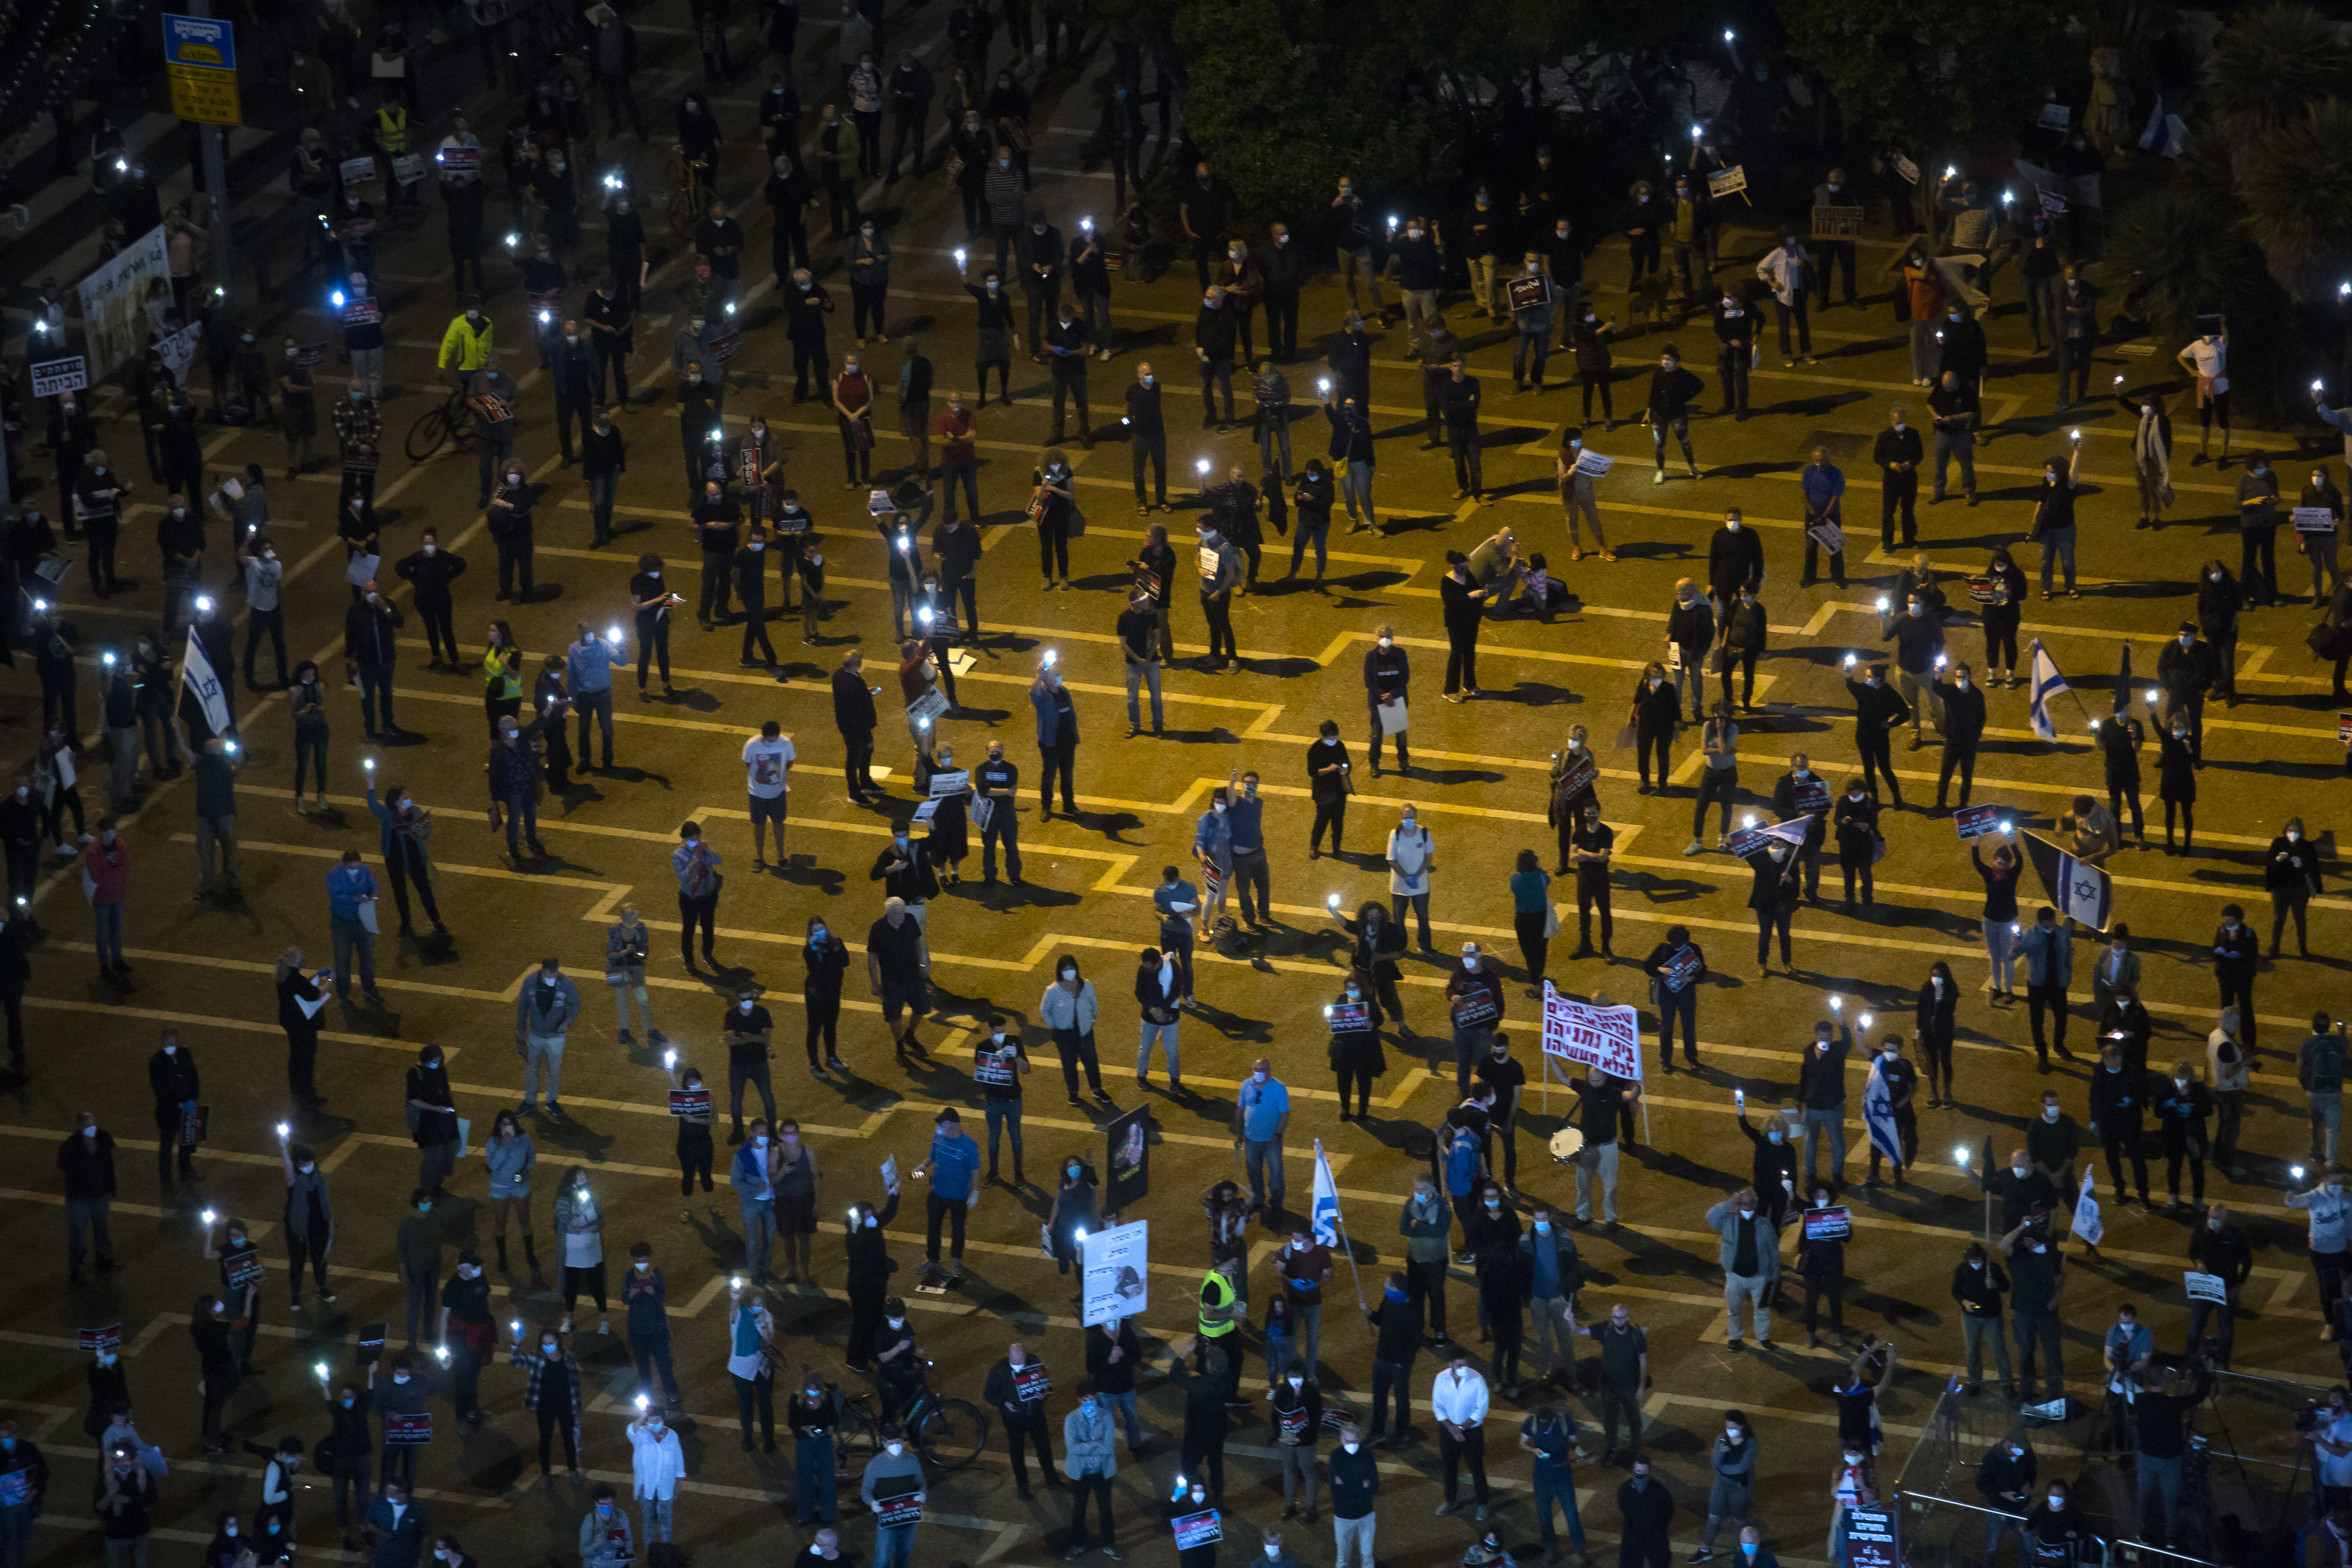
<point>2328,1064</point>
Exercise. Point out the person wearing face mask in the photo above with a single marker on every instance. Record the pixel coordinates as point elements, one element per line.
<point>85,1160</point>
<point>2291,876</point>
<point>1859,842</point>
<point>2330,1241</point>
<point>1388,675</point>
<point>1919,299</point>
<point>644,1295</point>
<point>1751,1259</point>
<point>1775,1163</point>
<point>215,1332</point>
<point>2005,1479</point>
<point>466,1320</point>
<point>2038,1275</point>
<point>1789,269</point>
<point>2318,526</point>
<point>1902,1083</point>
<point>173,1079</point>
<point>2319,1070</point>
<point>1668,408</point>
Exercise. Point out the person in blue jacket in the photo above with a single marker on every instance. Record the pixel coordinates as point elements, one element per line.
<point>1057,739</point>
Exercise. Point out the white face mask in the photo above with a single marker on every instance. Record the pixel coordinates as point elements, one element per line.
<point>2058,1499</point>
<point>1470,961</point>
<point>896,1448</point>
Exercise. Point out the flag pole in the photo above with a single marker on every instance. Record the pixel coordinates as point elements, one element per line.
<point>1338,1219</point>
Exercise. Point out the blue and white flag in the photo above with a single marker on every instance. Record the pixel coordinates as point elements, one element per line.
<point>1326,1208</point>
<point>1879,1112</point>
<point>2078,889</point>
<point>200,683</point>
<point>2046,683</point>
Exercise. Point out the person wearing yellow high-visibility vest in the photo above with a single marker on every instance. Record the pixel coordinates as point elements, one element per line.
<point>1219,1316</point>
<point>469,341</point>
<point>388,128</point>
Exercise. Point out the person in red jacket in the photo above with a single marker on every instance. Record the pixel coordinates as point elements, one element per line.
<point>106,868</point>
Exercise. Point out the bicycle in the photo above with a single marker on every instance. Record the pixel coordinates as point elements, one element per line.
<point>452,421</point>
<point>950,1433</point>
<point>689,194</point>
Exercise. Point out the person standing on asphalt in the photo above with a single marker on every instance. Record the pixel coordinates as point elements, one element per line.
<point>2227,1060</point>
<point>350,886</point>
<point>1821,1091</point>
<point>173,1079</point>
<point>1735,560</point>
<point>2319,1070</point>
<point>1458,1400</point>
<point>544,1010</point>
<point>1962,716</point>
<point>696,865</point>
<point>86,1159</point>
<point>2118,1102</point>
<point>2039,1279</point>
<point>1823,486</point>
<point>1878,712</point>
<point>952,1168</point>
<point>2237,955</point>
<point>1953,410</point>
<point>1671,390</point>
<point>1261,1118</point>
<point>1897,452</point>
<point>1057,742</point>
<point>2218,1247</point>
<point>1978,1285</point>
<point>2053,517</point>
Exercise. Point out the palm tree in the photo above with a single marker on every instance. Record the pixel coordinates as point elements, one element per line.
<point>2297,200</point>
<point>2266,70</point>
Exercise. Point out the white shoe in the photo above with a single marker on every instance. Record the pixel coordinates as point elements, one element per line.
<point>566,1326</point>
<point>603,1326</point>
<point>65,851</point>
<point>1658,477</point>
<point>1695,848</point>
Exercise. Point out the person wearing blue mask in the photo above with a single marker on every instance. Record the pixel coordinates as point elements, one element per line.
<point>1776,1163</point>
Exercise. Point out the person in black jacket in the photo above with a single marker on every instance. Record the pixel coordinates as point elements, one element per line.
<point>603,458</point>
<point>2119,1102</point>
<point>1978,1285</point>
<point>1742,637</point>
<point>854,715</point>
<point>1772,894</point>
<point>1855,817</point>
<point>1396,1341</point>
<point>1690,626</point>
<point>1878,712</point>
<point>370,647</point>
<point>1776,1165</point>
<point>2292,877</point>
<point>572,368</point>
<point>1671,390</point>
<point>428,571</point>
<point>1387,674</point>
<point>1932,1013</point>
<point>171,1075</point>
<point>1655,711</point>
<point>1735,558</point>
<point>1964,722</point>
<point>1380,942</point>
<point>1465,605</point>
<point>868,1280</point>
<point>1215,332</point>
<point>2219,1246</point>
<point>750,565</point>
<point>1898,453</point>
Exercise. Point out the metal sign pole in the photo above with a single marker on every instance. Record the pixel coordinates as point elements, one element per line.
<point>215,155</point>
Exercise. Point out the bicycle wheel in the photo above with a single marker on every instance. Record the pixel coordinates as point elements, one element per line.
<point>954,1433</point>
<point>856,1439</point>
<point>427,435</point>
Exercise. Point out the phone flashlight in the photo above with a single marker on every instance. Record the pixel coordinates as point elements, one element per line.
<point>1052,658</point>
<point>321,1369</point>
<point>669,1058</point>
<point>209,1217</point>
<point>1960,1154</point>
<point>284,1131</point>
<point>1333,901</point>
<point>613,633</point>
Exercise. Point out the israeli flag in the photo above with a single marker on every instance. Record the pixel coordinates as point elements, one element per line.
<point>1878,1113</point>
<point>198,681</point>
<point>2046,683</point>
<point>1326,1209</point>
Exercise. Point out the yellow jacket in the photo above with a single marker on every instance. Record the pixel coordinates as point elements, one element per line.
<point>471,348</point>
<point>1217,1303</point>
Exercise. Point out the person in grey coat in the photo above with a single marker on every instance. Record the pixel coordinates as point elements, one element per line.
<point>1751,1256</point>
<point>1090,1461</point>
<point>893,1475</point>
<point>545,1009</point>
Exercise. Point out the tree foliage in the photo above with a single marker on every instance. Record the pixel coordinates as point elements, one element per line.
<point>2268,68</point>
<point>1929,75</point>
<point>2297,197</point>
<point>1282,110</point>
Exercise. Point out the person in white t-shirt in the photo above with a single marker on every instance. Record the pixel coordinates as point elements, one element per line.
<point>767,770</point>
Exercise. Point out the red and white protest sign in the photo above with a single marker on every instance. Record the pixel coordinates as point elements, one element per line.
<point>1586,1035</point>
